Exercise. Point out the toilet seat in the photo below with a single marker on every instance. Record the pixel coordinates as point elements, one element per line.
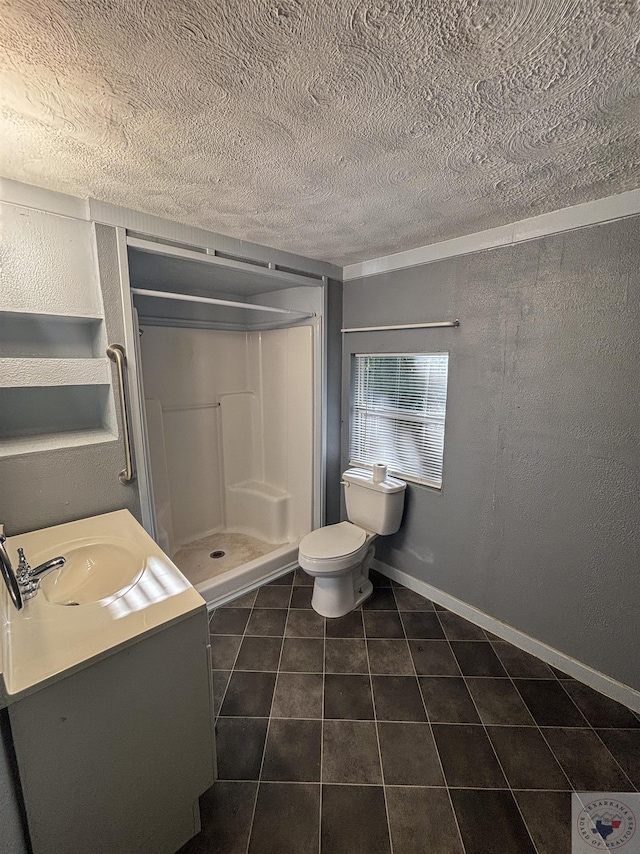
<point>333,548</point>
<point>333,541</point>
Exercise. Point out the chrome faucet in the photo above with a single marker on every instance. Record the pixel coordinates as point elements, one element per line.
<point>23,584</point>
<point>29,579</point>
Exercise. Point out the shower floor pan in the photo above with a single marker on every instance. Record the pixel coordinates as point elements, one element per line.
<point>247,563</point>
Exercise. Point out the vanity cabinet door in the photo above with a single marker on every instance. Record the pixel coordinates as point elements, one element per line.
<point>12,839</point>
<point>112,759</point>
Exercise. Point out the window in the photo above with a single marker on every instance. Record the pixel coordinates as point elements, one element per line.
<point>397,414</point>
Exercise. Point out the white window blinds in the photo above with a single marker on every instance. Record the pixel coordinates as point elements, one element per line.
<point>398,413</point>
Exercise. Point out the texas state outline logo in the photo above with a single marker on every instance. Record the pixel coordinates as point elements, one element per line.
<point>605,821</point>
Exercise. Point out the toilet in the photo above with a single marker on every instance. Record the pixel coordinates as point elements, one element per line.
<point>339,556</point>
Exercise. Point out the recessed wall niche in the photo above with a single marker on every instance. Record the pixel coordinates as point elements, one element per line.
<point>43,417</point>
<point>49,336</point>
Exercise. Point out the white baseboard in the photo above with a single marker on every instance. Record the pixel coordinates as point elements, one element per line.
<point>582,672</point>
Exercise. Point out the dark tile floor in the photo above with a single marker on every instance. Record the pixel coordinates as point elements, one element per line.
<point>399,728</point>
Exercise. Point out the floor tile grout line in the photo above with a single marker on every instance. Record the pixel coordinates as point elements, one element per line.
<point>535,724</point>
<point>495,753</point>
<point>597,735</point>
<point>397,785</point>
<point>266,737</point>
<point>386,673</point>
<point>231,672</point>
<point>428,717</point>
<point>488,737</point>
<point>546,741</point>
<point>375,722</point>
<point>412,723</point>
<point>587,725</point>
<point>552,677</point>
<point>507,643</point>
<point>235,658</point>
<point>539,728</point>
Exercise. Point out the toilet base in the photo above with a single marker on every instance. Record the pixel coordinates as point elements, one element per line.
<point>338,594</point>
<point>335,597</point>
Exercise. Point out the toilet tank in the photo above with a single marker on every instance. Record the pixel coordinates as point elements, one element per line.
<point>376,507</point>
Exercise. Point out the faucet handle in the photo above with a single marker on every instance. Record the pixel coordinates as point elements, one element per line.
<point>23,567</point>
<point>28,584</point>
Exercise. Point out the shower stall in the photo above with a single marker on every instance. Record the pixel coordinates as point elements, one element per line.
<point>226,383</point>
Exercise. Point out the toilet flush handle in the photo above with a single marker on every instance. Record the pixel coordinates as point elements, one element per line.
<point>344,483</point>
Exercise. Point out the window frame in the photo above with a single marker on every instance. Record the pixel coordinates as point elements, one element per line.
<point>411,478</point>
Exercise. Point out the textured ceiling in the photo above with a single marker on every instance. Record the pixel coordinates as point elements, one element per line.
<point>339,130</point>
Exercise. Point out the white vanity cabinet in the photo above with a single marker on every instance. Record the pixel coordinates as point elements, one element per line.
<point>113,757</point>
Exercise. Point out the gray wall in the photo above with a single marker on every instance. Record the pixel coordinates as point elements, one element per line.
<point>537,521</point>
<point>51,487</point>
<point>334,380</point>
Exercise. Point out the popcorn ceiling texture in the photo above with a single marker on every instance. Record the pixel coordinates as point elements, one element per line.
<point>337,130</point>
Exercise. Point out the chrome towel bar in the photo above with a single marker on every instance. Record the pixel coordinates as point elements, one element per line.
<point>435,325</point>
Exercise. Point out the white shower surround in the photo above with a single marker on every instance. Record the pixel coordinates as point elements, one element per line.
<point>252,505</point>
<point>230,421</point>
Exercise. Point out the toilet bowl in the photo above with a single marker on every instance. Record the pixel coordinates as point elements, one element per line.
<point>339,557</point>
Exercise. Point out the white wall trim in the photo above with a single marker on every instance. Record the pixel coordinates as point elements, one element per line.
<point>160,227</point>
<point>596,680</point>
<point>38,198</point>
<point>29,196</point>
<point>568,219</point>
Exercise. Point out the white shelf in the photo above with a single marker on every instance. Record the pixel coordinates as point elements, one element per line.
<point>21,445</point>
<point>28,372</point>
<point>51,315</point>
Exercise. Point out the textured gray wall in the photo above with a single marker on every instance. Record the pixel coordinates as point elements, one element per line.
<point>334,380</point>
<point>537,521</point>
<point>52,487</point>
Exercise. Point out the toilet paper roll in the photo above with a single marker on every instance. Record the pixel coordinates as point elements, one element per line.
<point>379,472</point>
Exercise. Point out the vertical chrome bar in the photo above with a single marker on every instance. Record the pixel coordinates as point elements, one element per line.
<point>116,353</point>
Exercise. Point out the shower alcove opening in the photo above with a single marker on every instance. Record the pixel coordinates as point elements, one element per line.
<point>228,368</point>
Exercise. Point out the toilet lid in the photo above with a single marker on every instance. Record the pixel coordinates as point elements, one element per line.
<point>333,541</point>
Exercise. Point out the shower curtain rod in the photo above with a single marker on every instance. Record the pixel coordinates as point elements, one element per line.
<point>226,302</point>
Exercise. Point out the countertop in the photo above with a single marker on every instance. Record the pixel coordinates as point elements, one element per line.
<point>45,642</point>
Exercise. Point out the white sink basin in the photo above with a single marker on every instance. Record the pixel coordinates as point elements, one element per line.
<point>124,584</point>
<point>96,569</point>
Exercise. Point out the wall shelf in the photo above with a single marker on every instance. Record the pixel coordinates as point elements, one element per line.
<point>163,308</point>
<point>54,382</point>
<point>21,445</point>
<point>161,265</point>
<point>51,315</point>
<point>37,418</point>
<point>55,378</point>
